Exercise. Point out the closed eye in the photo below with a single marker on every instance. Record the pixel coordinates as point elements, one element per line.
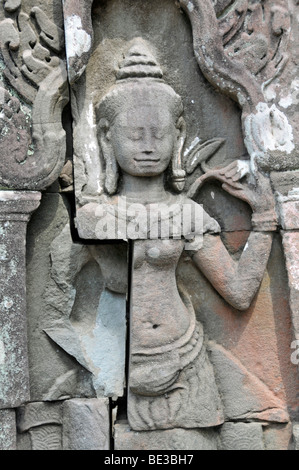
<point>159,133</point>
<point>135,134</point>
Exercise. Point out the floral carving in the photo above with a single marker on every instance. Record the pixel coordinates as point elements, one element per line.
<point>31,106</point>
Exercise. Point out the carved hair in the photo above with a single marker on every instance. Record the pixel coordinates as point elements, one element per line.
<point>140,76</point>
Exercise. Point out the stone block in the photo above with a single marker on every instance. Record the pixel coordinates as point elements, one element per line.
<point>278,437</point>
<point>242,436</point>
<point>78,424</point>
<point>86,424</point>
<point>289,210</point>
<point>171,439</point>
<point>40,426</point>
<point>291,250</point>
<point>243,394</point>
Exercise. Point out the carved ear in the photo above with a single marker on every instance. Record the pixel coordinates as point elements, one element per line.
<point>112,174</point>
<point>178,173</point>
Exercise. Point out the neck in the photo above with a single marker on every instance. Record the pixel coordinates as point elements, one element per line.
<point>143,190</point>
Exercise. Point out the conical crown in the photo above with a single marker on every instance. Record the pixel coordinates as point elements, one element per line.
<point>139,78</point>
<point>139,62</point>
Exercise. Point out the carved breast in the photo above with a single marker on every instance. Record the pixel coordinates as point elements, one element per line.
<point>160,317</point>
<point>162,253</point>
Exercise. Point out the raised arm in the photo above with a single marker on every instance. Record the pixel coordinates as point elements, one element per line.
<point>238,281</point>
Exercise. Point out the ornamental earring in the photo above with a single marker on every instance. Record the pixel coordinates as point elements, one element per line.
<point>178,174</point>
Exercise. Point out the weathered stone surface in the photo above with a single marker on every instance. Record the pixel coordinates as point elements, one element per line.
<point>212,151</point>
<point>79,36</point>
<point>242,436</point>
<point>15,211</point>
<point>78,424</point>
<point>88,330</point>
<point>8,433</point>
<point>220,58</point>
<point>260,338</point>
<point>284,181</point>
<point>38,414</point>
<point>53,374</point>
<point>198,96</point>
<point>278,437</point>
<point>291,250</point>
<point>90,343</point>
<point>173,439</point>
<point>296,436</point>
<point>171,381</point>
<point>168,363</point>
<point>32,136</point>
<point>289,210</point>
<point>83,291</point>
<point>244,395</point>
<point>39,426</point>
<point>86,424</point>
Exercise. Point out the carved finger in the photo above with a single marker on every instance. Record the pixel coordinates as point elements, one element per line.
<point>236,170</point>
<point>231,183</point>
<point>230,167</point>
<point>232,173</point>
<point>238,193</point>
<point>238,176</point>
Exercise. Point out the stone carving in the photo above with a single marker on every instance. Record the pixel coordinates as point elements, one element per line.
<point>169,439</point>
<point>140,174</point>
<point>86,332</point>
<point>252,400</point>
<point>79,36</point>
<point>86,425</point>
<point>171,379</point>
<point>240,46</point>
<point>78,424</point>
<point>228,61</point>
<point>32,136</point>
<point>242,436</point>
<point>15,211</point>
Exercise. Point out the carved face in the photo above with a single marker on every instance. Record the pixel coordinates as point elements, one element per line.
<point>144,139</point>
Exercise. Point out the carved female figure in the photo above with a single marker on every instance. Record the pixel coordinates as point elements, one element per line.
<point>141,134</point>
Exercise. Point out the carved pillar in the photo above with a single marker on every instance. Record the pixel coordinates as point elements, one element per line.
<point>15,211</point>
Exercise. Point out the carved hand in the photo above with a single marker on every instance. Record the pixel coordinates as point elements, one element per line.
<point>257,194</point>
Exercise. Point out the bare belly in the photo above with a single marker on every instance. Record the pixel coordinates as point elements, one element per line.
<point>158,315</point>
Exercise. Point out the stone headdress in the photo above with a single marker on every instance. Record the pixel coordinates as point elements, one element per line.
<point>140,76</point>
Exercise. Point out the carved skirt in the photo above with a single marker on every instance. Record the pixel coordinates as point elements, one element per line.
<point>175,388</point>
